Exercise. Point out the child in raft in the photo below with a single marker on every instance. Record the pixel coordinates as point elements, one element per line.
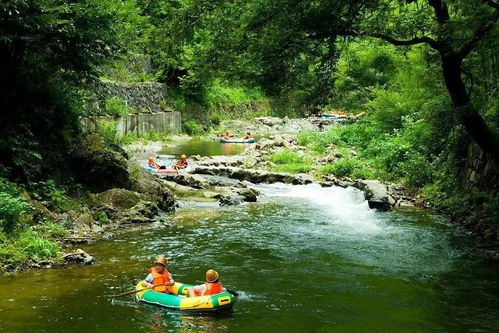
<point>227,135</point>
<point>182,164</point>
<point>212,285</point>
<point>152,164</point>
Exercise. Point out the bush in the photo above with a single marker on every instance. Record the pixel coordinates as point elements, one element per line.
<point>115,106</point>
<point>286,157</point>
<point>192,127</point>
<point>53,230</point>
<point>107,129</point>
<point>11,211</point>
<point>56,196</point>
<point>37,247</point>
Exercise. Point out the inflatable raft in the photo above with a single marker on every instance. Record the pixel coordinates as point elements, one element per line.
<point>166,171</point>
<point>237,140</point>
<point>179,301</point>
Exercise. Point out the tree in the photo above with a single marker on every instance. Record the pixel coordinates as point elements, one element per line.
<point>279,36</point>
<point>49,50</point>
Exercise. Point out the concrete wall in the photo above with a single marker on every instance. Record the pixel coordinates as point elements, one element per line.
<point>139,123</point>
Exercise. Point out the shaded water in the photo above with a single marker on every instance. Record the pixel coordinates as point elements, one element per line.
<point>303,258</point>
<point>199,146</point>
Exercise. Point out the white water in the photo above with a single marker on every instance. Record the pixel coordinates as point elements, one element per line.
<point>345,207</point>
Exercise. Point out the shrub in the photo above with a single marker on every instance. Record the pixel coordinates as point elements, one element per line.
<point>11,211</point>
<point>286,157</point>
<point>54,230</point>
<point>192,127</point>
<point>37,247</point>
<point>292,168</point>
<point>115,106</point>
<point>107,129</point>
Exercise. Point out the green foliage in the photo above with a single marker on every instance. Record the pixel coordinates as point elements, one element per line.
<point>285,157</point>
<point>11,212</point>
<point>53,230</point>
<point>107,129</point>
<point>289,161</point>
<point>36,246</point>
<point>192,127</point>
<point>102,218</point>
<point>55,196</point>
<point>115,106</point>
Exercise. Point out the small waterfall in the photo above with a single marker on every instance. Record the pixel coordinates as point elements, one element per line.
<point>346,206</point>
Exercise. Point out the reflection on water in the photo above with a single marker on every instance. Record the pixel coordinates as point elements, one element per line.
<point>198,146</point>
<point>303,258</point>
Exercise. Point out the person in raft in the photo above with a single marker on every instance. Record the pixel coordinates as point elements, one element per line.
<point>212,285</point>
<point>227,135</point>
<point>182,164</point>
<point>247,136</point>
<point>152,164</point>
<point>158,274</point>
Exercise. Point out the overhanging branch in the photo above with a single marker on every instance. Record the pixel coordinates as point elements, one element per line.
<point>394,41</point>
<point>491,3</point>
<point>478,35</point>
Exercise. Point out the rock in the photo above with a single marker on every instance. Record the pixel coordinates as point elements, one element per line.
<point>375,193</point>
<point>195,181</point>
<point>230,199</point>
<point>83,222</point>
<point>79,257</point>
<point>256,176</point>
<point>118,199</point>
<point>155,190</point>
<point>249,195</point>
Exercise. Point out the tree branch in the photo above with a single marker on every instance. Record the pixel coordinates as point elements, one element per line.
<point>478,35</point>
<point>491,3</point>
<point>397,42</point>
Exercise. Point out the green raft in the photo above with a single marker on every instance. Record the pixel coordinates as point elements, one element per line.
<point>178,301</point>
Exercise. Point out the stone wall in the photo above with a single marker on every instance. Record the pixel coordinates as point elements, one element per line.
<point>139,123</point>
<point>480,170</point>
<point>143,97</point>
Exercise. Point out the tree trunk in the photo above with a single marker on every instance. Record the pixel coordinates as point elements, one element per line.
<point>474,124</point>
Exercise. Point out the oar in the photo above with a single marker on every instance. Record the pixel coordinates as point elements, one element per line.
<point>139,290</point>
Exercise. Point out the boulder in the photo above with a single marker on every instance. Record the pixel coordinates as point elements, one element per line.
<point>375,193</point>
<point>79,257</point>
<point>83,223</point>
<point>116,199</point>
<point>231,199</point>
<point>154,189</point>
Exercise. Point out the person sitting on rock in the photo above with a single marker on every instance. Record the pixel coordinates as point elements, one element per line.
<point>212,285</point>
<point>159,276</point>
<point>182,164</point>
<point>227,135</point>
<point>247,136</point>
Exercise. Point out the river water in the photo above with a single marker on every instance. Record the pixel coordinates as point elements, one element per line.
<point>303,258</point>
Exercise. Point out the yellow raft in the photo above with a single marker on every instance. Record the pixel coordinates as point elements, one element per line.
<point>179,301</point>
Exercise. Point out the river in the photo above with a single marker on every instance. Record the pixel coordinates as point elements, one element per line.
<point>303,258</point>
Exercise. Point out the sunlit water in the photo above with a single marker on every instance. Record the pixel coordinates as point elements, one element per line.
<point>303,258</point>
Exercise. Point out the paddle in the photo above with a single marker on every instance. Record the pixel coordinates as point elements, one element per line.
<point>139,290</point>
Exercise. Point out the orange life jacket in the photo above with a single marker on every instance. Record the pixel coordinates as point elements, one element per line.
<point>151,164</point>
<point>158,278</point>
<point>213,288</point>
<point>182,163</point>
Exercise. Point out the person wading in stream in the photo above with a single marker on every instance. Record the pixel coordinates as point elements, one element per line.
<point>158,274</point>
